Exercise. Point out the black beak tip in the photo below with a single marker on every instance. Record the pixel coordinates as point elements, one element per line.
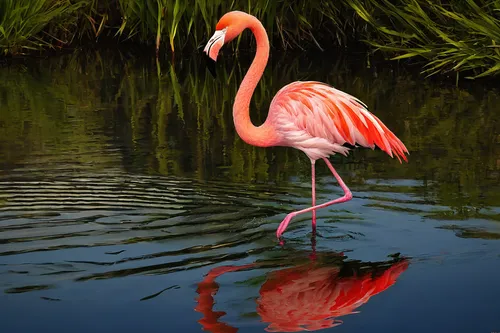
<point>210,65</point>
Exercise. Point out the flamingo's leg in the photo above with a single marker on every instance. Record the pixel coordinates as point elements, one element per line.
<point>313,192</point>
<point>347,196</point>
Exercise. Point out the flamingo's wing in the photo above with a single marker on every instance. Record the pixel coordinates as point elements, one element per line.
<point>319,119</point>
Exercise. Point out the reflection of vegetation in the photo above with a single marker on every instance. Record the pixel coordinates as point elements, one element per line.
<point>465,232</point>
<point>38,114</point>
<point>173,119</point>
<point>27,289</point>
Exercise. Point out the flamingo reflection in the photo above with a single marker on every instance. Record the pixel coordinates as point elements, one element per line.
<point>309,296</point>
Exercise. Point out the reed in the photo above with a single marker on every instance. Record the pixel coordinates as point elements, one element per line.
<point>452,36</point>
<point>33,24</point>
<point>448,36</point>
<point>290,23</point>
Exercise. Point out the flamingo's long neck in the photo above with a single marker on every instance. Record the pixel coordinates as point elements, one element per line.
<point>264,135</point>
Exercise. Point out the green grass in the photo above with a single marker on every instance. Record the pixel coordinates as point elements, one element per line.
<point>293,23</point>
<point>452,36</point>
<point>457,37</point>
<point>33,24</point>
<point>175,23</point>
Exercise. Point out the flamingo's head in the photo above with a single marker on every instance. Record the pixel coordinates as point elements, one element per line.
<point>229,26</point>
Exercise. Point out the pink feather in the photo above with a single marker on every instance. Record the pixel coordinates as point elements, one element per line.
<point>318,119</point>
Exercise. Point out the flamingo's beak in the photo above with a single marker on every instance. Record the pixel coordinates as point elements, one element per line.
<point>215,43</point>
<point>212,49</point>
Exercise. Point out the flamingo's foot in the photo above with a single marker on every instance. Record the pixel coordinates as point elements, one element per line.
<point>284,224</point>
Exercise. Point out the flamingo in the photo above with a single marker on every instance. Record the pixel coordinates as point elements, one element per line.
<point>305,297</point>
<point>311,116</point>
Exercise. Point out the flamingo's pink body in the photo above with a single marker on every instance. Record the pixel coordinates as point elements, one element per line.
<point>311,116</point>
<point>307,297</point>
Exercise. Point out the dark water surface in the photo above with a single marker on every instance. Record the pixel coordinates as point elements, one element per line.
<point>128,204</point>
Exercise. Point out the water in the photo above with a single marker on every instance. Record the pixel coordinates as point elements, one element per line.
<point>127,203</point>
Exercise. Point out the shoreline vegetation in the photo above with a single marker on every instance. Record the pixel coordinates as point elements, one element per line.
<point>454,37</point>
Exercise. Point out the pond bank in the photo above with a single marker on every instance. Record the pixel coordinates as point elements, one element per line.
<point>449,37</point>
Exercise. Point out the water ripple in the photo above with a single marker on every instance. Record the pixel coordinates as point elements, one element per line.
<point>182,224</point>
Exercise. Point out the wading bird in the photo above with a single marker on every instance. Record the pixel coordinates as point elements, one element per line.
<point>307,297</point>
<point>307,115</point>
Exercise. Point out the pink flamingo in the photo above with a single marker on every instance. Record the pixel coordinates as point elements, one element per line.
<point>306,297</point>
<point>310,116</point>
